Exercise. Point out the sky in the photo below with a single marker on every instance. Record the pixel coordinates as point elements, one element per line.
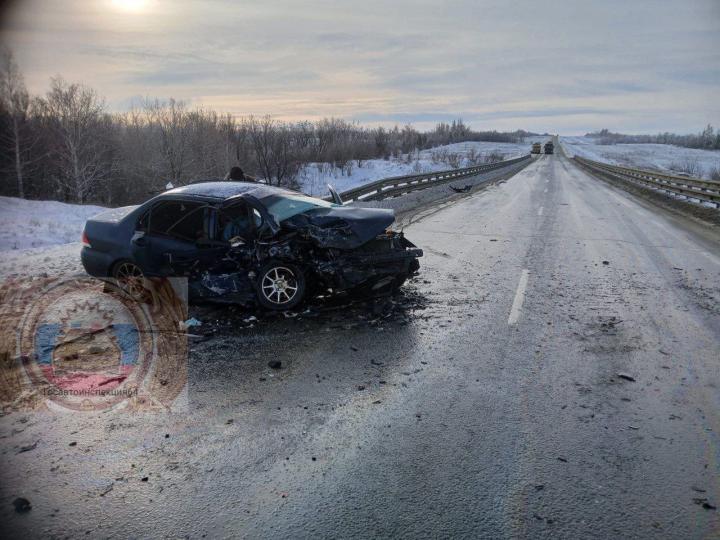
<point>568,67</point>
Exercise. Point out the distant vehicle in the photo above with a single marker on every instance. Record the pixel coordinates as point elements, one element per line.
<point>549,147</point>
<point>536,148</point>
<point>241,242</point>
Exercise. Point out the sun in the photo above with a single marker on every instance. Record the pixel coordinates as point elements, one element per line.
<point>130,5</point>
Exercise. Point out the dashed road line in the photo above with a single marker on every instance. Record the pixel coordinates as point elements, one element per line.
<point>540,211</point>
<point>519,298</point>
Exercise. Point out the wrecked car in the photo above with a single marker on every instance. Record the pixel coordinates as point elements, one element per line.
<point>242,242</point>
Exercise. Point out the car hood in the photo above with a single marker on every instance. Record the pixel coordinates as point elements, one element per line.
<point>343,227</point>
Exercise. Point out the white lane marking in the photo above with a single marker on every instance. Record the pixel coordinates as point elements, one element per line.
<point>540,211</point>
<point>519,298</point>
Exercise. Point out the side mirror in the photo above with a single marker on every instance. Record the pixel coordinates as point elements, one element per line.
<point>335,195</point>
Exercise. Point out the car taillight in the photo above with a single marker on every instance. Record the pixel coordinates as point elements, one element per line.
<point>84,240</point>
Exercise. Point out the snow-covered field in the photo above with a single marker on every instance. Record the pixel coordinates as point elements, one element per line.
<point>315,177</point>
<point>33,224</point>
<point>661,157</point>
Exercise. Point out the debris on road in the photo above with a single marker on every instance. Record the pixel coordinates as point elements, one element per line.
<point>564,460</point>
<point>28,448</point>
<point>192,322</point>
<point>702,501</point>
<point>275,364</point>
<point>463,189</point>
<point>626,377</point>
<point>22,505</point>
<point>606,263</point>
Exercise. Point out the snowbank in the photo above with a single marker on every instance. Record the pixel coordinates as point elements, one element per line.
<point>32,224</point>
<point>661,157</point>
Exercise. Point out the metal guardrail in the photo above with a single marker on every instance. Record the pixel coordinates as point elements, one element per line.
<point>691,188</point>
<point>399,185</point>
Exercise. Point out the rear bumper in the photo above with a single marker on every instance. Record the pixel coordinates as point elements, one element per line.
<point>96,263</point>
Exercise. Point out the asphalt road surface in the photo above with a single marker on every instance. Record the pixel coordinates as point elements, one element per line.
<point>484,402</point>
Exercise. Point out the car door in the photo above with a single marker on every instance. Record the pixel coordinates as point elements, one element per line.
<point>174,237</point>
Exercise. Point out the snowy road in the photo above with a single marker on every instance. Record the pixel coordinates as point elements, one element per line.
<point>489,405</point>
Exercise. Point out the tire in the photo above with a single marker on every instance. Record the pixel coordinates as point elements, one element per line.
<point>129,277</point>
<point>280,286</point>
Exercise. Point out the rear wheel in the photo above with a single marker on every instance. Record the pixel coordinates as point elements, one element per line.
<point>129,278</point>
<point>280,286</point>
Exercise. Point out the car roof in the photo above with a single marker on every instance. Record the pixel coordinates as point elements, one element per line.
<point>221,190</point>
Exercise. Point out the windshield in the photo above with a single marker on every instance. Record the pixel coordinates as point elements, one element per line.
<point>282,207</point>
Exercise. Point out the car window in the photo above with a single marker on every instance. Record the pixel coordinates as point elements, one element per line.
<point>282,207</point>
<point>179,219</point>
<point>238,220</point>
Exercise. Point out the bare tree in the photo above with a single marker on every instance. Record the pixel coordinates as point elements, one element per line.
<point>171,122</point>
<point>15,103</point>
<point>261,132</point>
<point>73,116</point>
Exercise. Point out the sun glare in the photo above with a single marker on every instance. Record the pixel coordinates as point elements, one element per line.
<point>130,5</point>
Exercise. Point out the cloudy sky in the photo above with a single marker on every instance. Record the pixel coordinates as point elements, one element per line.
<point>559,66</point>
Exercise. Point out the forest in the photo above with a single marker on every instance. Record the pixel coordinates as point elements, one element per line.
<point>67,146</point>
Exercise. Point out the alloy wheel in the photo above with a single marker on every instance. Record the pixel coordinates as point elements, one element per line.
<point>279,285</point>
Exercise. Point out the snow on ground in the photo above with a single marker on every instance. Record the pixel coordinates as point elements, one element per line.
<point>313,178</point>
<point>33,224</point>
<point>661,157</point>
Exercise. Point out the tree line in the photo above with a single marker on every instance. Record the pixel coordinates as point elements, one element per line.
<point>707,139</point>
<point>67,146</point>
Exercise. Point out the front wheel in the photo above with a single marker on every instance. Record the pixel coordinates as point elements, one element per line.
<point>280,286</point>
